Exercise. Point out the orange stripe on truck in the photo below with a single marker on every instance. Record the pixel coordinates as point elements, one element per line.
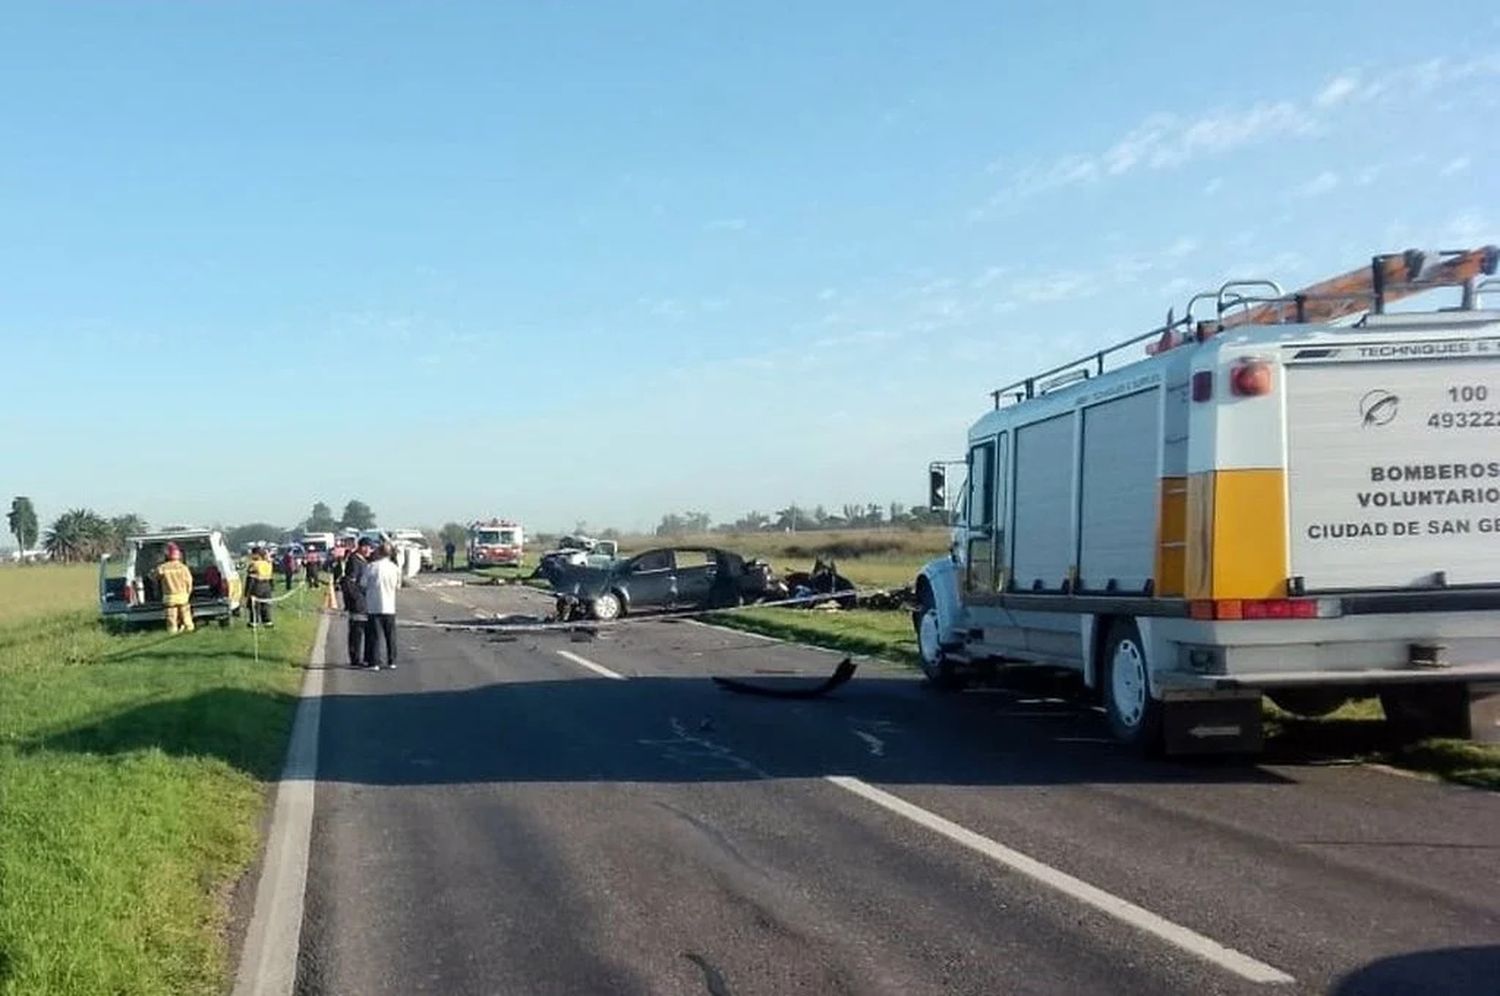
<point>1236,534</point>
<point>1171,537</point>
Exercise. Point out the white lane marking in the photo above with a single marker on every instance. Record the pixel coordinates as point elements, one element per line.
<point>268,963</point>
<point>1126,912</point>
<point>736,632</point>
<point>876,745</point>
<point>585,662</point>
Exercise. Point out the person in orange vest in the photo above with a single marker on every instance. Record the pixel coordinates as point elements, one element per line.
<point>176,584</point>
<point>259,581</point>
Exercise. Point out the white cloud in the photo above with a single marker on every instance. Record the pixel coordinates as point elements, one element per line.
<point>1456,166</point>
<point>1323,183</point>
<point>1339,89</point>
<point>1167,141</point>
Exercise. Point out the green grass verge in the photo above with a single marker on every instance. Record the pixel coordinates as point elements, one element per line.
<point>38,589</point>
<point>1356,730</point>
<point>132,772</point>
<point>859,631</point>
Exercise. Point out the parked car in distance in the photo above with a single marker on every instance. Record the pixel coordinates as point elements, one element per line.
<point>689,577</point>
<point>135,597</point>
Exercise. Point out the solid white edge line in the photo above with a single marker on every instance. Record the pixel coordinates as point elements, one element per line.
<point>1126,912</point>
<point>268,963</point>
<point>596,668</point>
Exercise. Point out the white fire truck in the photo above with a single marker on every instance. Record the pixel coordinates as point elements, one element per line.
<point>496,543</point>
<point>1299,497</point>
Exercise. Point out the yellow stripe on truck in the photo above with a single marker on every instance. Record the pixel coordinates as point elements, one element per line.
<point>1236,534</point>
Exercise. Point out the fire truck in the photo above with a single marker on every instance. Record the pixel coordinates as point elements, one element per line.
<point>495,543</point>
<point>1296,496</point>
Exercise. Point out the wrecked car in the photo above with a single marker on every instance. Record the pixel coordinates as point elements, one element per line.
<point>695,577</point>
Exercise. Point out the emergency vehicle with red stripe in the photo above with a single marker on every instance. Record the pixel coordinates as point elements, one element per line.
<point>1298,497</point>
<point>496,543</point>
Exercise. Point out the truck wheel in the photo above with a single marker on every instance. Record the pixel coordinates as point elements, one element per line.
<point>606,607</point>
<point>1307,701</point>
<point>940,669</point>
<point>1134,716</point>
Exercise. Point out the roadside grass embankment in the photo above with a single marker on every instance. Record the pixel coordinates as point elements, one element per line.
<point>132,786</point>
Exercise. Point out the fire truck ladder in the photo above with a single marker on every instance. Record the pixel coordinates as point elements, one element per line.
<point>1389,277</point>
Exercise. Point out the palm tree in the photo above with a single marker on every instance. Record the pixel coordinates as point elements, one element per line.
<point>78,534</point>
<point>122,527</point>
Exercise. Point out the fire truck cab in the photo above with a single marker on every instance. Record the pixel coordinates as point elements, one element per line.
<point>1298,499</point>
<point>496,543</point>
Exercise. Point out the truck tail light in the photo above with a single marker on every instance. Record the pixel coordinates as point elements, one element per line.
<point>1249,609</point>
<point>1251,378</point>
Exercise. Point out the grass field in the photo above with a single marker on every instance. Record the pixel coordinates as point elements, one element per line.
<point>132,772</point>
<point>871,558</point>
<point>34,589</point>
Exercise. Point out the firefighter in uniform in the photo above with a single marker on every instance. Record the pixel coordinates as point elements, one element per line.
<point>259,587</point>
<point>176,584</point>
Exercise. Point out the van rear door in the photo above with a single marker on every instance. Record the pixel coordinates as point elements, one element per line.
<point>1393,463</point>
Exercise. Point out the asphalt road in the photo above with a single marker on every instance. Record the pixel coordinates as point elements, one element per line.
<point>499,815</point>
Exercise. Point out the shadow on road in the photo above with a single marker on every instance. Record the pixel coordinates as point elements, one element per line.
<point>1472,971</point>
<point>660,729</point>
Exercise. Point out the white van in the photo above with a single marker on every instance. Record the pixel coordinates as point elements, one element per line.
<point>134,598</point>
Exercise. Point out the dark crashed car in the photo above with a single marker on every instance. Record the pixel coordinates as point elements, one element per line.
<point>694,577</point>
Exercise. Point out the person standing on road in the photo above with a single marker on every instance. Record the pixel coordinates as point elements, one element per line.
<point>449,549</point>
<point>379,582</point>
<point>259,587</point>
<point>350,577</point>
<point>176,583</point>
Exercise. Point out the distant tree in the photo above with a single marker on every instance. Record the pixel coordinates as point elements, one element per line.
<point>357,515</point>
<point>321,520</point>
<point>78,534</point>
<point>874,516</point>
<point>671,524</point>
<point>819,517</point>
<point>610,534</point>
<point>453,532</point>
<point>751,522</point>
<point>22,519</point>
<point>250,532</point>
<point>122,527</point>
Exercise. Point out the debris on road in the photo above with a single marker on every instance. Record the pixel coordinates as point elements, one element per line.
<point>840,675</point>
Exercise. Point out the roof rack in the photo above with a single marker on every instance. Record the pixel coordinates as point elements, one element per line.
<point>1389,277</point>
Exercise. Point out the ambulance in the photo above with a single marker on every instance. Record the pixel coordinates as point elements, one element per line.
<point>1297,496</point>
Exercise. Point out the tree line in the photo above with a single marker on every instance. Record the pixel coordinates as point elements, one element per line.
<point>795,518</point>
<point>77,534</point>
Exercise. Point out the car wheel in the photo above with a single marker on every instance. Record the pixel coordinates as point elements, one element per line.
<point>606,607</point>
<point>939,668</point>
<point>1134,716</point>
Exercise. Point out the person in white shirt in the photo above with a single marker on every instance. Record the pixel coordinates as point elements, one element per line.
<point>379,581</point>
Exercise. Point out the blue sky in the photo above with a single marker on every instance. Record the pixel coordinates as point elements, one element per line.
<point>599,261</point>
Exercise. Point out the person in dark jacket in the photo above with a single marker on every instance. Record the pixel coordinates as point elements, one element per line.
<point>351,572</point>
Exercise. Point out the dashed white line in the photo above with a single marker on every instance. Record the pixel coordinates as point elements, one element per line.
<point>876,745</point>
<point>1126,912</point>
<point>585,662</point>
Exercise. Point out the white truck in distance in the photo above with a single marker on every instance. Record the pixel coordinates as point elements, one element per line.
<point>1299,498</point>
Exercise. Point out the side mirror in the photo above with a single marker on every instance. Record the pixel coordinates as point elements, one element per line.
<point>937,488</point>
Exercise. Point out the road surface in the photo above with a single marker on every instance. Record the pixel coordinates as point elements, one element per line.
<point>537,815</point>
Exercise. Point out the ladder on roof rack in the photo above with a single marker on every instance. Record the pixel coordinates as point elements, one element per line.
<point>1389,277</point>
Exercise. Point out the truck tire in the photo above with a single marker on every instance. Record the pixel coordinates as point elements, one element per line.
<point>1308,701</point>
<point>1134,716</point>
<point>940,669</point>
<point>1414,712</point>
<point>607,607</point>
